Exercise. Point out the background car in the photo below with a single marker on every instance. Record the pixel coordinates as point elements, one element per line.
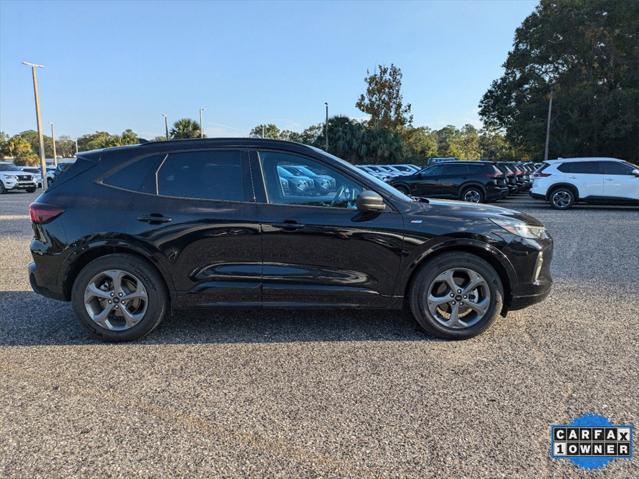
<point>474,181</point>
<point>296,184</point>
<point>567,181</point>
<point>322,183</point>
<point>437,160</point>
<point>13,178</point>
<point>36,172</point>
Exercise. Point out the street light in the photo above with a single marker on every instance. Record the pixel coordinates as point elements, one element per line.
<point>43,163</point>
<point>55,155</point>
<point>201,124</point>
<point>166,125</point>
<point>326,128</point>
<point>548,126</point>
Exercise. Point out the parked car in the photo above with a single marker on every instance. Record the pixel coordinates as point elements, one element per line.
<point>474,181</point>
<point>321,183</point>
<point>375,171</point>
<point>406,169</point>
<point>567,181</point>
<point>511,177</point>
<point>37,175</point>
<point>295,184</point>
<point>205,223</point>
<point>57,171</point>
<point>13,178</point>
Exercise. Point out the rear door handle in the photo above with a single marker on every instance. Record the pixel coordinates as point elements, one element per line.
<point>154,218</point>
<point>289,225</point>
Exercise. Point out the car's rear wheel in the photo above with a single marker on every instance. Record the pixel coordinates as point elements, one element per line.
<point>119,297</point>
<point>472,194</point>
<point>562,198</point>
<point>456,296</point>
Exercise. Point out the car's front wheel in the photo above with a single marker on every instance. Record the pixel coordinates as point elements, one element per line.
<point>119,297</point>
<point>2,188</point>
<point>456,296</point>
<point>403,189</point>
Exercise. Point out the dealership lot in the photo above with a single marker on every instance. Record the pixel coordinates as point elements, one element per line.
<point>350,394</point>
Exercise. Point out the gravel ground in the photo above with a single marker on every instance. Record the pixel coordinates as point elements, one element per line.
<point>357,394</point>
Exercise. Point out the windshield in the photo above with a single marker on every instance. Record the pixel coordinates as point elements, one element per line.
<point>379,183</point>
<point>7,167</point>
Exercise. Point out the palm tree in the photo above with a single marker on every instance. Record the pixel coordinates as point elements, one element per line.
<point>185,128</point>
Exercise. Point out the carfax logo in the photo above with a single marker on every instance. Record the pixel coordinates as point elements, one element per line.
<point>591,441</point>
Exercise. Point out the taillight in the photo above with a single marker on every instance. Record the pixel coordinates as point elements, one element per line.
<point>42,213</point>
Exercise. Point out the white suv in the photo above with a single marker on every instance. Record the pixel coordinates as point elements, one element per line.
<point>591,180</point>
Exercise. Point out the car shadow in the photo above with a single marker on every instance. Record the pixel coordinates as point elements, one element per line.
<point>29,319</point>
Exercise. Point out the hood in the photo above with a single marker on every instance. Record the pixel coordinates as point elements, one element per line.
<point>471,211</point>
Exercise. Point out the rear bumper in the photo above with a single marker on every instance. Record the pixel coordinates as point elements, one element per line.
<point>537,196</point>
<point>38,287</point>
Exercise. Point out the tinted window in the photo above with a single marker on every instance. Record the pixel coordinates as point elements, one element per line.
<point>322,187</point>
<point>616,168</point>
<point>582,167</point>
<point>8,167</point>
<point>209,175</point>
<point>455,169</point>
<point>137,176</point>
<point>434,171</point>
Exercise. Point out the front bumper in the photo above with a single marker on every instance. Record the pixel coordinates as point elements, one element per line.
<point>20,185</point>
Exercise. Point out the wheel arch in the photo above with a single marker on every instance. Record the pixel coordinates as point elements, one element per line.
<point>570,186</point>
<point>79,261</point>
<point>495,258</point>
<point>469,184</point>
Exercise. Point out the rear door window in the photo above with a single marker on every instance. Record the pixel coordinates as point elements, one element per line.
<point>221,175</point>
<point>581,167</point>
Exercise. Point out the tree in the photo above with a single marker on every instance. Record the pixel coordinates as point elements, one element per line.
<point>268,130</point>
<point>129,137</point>
<point>494,146</point>
<point>383,99</point>
<point>3,141</point>
<point>20,150</point>
<point>420,143</point>
<point>586,53</point>
<point>185,128</point>
<point>65,147</point>
<point>99,139</point>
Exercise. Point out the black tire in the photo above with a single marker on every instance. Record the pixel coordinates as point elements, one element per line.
<point>402,188</point>
<point>475,192</point>
<point>3,190</point>
<point>562,198</point>
<point>30,190</point>
<point>157,296</point>
<point>426,277</point>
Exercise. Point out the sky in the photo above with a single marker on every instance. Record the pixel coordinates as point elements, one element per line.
<point>122,64</point>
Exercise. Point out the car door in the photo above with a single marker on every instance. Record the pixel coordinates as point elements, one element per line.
<point>195,212</point>
<point>318,249</point>
<point>620,180</point>
<point>427,182</point>
<point>453,176</point>
<point>587,176</point>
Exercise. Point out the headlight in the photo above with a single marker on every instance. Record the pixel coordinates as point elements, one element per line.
<point>10,177</point>
<point>522,229</point>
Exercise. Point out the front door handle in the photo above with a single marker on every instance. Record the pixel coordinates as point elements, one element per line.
<point>289,225</point>
<point>154,218</point>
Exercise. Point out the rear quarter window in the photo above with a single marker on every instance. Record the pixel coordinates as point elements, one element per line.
<point>138,175</point>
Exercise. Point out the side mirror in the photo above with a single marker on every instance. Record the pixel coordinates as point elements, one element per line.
<point>368,201</point>
<point>635,172</point>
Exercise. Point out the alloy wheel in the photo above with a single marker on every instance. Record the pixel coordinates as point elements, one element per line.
<point>115,300</point>
<point>473,196</point>
<point>458,298</point>
<point>561,199</point>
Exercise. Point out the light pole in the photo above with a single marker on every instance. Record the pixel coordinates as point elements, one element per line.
<point>326,128</point>
<point>201,124</point>
<point>43,163</point>
<point>548,126</point>
<point>166,126</point>
<point>76,147</point>
<point>55,156</point>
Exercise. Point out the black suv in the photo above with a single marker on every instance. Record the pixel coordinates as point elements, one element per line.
<point>128,234</point>
<point>474,181</point>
